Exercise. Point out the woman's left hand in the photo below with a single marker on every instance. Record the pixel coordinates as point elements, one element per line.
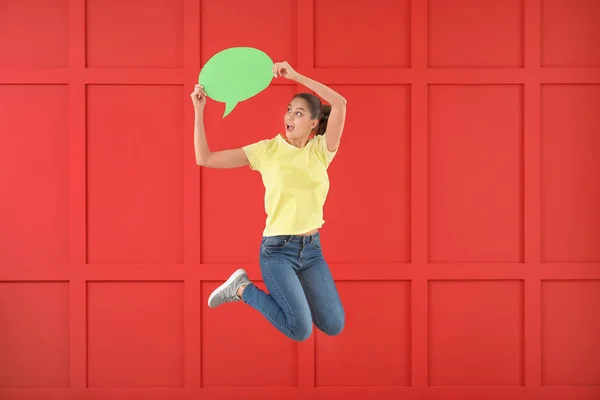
<point>284,69</point>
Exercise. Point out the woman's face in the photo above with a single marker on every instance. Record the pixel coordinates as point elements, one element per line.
<point>297,119</point>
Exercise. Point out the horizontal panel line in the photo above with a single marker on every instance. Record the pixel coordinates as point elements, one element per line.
<point>34,76</point>
<point>341,272</point>
<point>366,76</point>
<point>349,392</point>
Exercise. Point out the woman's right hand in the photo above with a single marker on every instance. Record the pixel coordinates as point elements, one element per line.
<point>198,97</point>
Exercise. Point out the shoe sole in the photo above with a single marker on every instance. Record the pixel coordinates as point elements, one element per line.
<point>227,282</point>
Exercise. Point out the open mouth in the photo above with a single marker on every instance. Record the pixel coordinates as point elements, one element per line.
<point>289,127</point>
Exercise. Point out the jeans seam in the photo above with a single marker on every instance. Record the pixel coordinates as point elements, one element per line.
<point>291,312</point>
<point>310,301</point>
<point>275,323</point>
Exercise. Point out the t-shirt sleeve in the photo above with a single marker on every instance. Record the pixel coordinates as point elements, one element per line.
<point>254,153</point>
<point>324,153</point>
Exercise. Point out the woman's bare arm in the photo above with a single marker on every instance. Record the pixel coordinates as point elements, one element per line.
<point>231,158</point>
<point>337,118</point>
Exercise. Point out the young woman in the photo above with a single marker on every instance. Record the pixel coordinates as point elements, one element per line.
<point>294,172</point>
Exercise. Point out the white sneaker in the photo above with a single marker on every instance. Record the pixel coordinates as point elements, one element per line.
<point>226,293</point>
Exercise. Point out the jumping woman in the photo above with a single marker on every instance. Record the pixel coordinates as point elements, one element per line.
<point>293,167</point>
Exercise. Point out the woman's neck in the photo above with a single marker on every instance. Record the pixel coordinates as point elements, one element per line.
<point>298,142</point>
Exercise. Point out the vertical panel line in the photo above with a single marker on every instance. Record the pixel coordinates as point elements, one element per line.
<point>419,331</point>
<point>191,171</point>
<point>418,33</point>
<point>77,334</point>
<point>532,189</point>
<point>533,331</point>
<point>192,207</point>
<point>192,334</point>
<point>532,41</point>
<point>419,233</point>
<point>532,174</point>
<point>305,36</point>
<point>77,135</point>
<point>532,136</point>
<point>532,233</point>
<point>77,197</point>
<point>419,193</point>
<point>419,137</point>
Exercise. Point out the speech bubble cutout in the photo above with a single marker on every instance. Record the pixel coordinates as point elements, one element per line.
<point>235,75</point>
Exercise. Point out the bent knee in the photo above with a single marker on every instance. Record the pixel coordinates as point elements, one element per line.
<point>302,331</point>
<point>334,325</point>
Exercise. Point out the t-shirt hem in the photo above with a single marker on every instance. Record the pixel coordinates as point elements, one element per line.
<point>267,232</point>
<point>249,157</point>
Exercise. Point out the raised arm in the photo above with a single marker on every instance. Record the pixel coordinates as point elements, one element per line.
<point>337,118</point>
<point>231,158</point>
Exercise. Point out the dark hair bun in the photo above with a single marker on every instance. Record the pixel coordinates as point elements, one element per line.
<point>323,118</point>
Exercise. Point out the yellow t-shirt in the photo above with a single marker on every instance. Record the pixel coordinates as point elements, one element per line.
<point>296,183</point>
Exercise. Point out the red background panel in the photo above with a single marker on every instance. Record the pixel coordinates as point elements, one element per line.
<point>476,326</point>
<point>268,25</point>
<point>382,34</point>
<point>383,359</point>
<point>127,34</point>
<point>570,32</point>
<point>569,311</point>
<point>461,225</point>
<point>228,361</point>
<point>370,179</point>
<point>571,172</point>
<point>39,40</point>
<point>144,333</point>
<point>475,173</point>
<point>34,356</point>
<point>34,179</point>
<point>135,174</point>
<point>473,33</point>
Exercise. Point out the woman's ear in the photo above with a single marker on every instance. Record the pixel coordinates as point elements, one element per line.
<point>313,124</point>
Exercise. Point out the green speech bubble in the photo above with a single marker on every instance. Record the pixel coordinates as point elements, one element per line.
<point>235,75</point>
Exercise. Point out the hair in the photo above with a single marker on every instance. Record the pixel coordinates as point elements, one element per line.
<point>317,110</point>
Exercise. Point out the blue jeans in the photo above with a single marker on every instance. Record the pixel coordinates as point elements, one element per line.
<point>302,290</point>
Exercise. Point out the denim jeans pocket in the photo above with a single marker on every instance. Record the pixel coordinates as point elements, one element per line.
<point>317,243</point>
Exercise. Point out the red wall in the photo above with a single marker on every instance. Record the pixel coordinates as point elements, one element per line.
<point>463,224</point>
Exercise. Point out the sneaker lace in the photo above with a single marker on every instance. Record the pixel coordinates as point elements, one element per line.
<point>226,298</point>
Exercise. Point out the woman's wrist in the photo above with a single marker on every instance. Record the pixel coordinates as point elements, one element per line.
<point>299,78</point>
